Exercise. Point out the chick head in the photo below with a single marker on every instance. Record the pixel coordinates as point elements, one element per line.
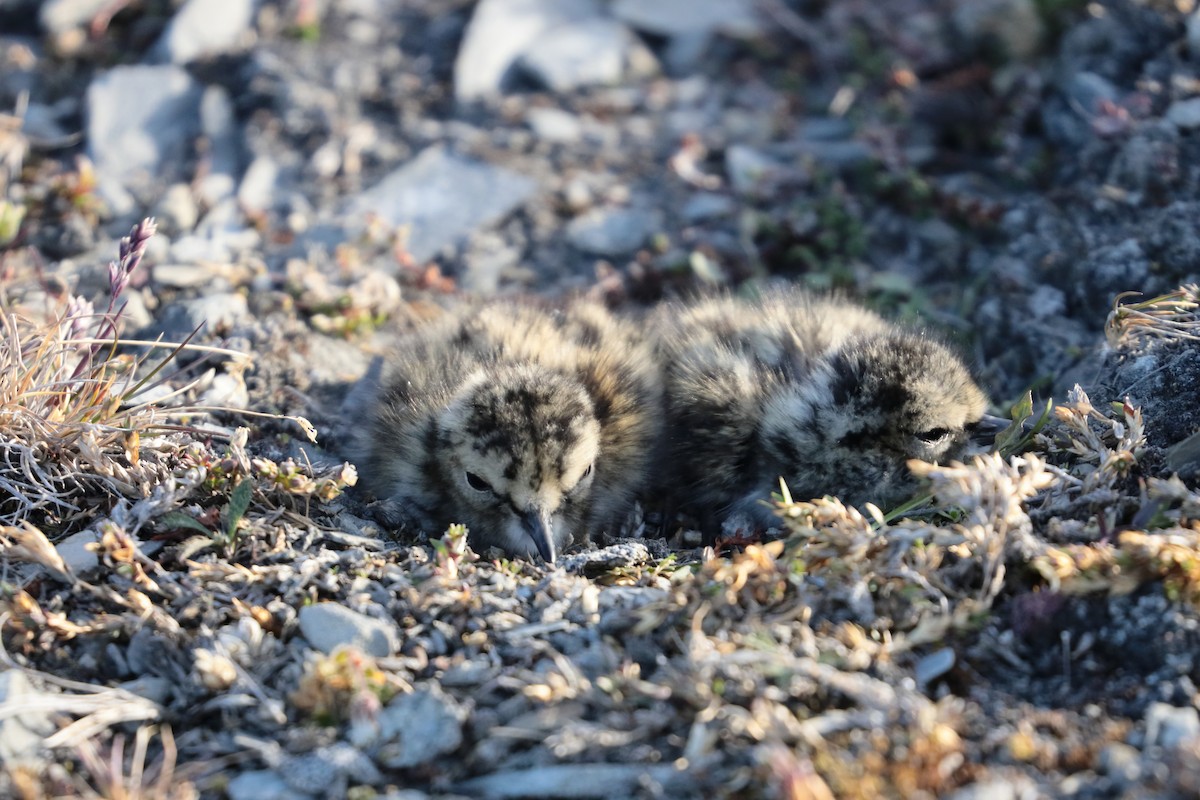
<point>520,447</point>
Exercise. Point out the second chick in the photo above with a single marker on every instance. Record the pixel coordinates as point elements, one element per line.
<point>819,392</point>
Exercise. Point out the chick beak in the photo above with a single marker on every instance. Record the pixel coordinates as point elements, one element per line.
<point>986,430</point>
<point>540,528</point>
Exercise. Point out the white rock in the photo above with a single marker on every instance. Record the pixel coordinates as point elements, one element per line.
<point>707,205</point>
<point>261,784</point>
<point>500,31</point>
<point>747,168</point>
<point>588,52</point>
<point>177,211</point>
<point>21,733</point>
<point>686,17</point>
<point>554,125</point>
<point>611,232</point>
<point>1185,114</point>
<point>1193,35</point>
<point>256,193</point>
<point>1169,726</point>
<point>141,122</point>
<point>75,554</point>
<point>57,16</point>
<point>221,131</point>
<point>442,198</point>
<point>327,626</point>
<point>417,728</point>
<point>218,313</point>
<point>206,28</point>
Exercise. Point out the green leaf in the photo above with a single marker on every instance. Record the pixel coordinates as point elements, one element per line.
<point>239,502</point>
<point>1017,437</point>
<point>180,519</point>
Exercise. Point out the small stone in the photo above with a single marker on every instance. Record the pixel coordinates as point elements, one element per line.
<point>218,313</point>
<point>611,232</point>
<point>499,33</point>
<point>1018,788</point>
<point>621,554</point>
<point>182,276</point>
<point>747,168</point>
<point>328,626</point>
<point>1090,91</point>
<point>1169,726</point>
<point>74,552</point>
<point>227,390</point>
<point>674,17</point>
<point>933,666</point>
<point>223,154</point>
<point>326,771</point>
<point>256,194</point>
<point>21,731</point>
<point>488,260</point>
<point>58,16</point>
<point>207,28</point>
<point>578,195</point>
<point>331,360</point>
<point>442,198</point>
<point>1047,302</point>
<point>259,785</point>
<point>1121,763</point>
<point>707,205</point>
<point>177,211</point>
<point>1185,114</point>
<point>589,52</point>
<point>418,727</point>
<point>554,125</point>
<point>141,122</point>
<point>1193,35</point>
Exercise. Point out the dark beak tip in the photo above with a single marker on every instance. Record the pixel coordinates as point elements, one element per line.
<point>541,530</point>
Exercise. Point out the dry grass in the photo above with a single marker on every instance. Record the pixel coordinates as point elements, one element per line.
<point>1175,315</point>
<point>66,421</point>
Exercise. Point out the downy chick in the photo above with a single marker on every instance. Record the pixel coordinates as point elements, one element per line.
<point>532,428</point>
<point>820,392</point>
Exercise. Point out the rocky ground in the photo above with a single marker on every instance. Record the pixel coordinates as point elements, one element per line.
<point>220,614</point>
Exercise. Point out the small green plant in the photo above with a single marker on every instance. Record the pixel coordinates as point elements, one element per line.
<point>1019,436</point>
<point>235,511</point>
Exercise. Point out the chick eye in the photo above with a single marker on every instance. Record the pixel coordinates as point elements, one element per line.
<point>933,434</point>
<point>477,483</point>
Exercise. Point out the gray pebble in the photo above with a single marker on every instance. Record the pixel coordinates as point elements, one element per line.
<point>141,122</point>
<point>58,16</point>
<point>675,17</point>
<point>206,28</point>
<point>218,312</point>
<point>707,205</point>
<point>499,33</point>
<point>327,626</point>
<point>1185,114</point>
<point>589,52</point>
<point>442,197</point>
<point>611,232</point>
<point>259,785</point>
<point>417,728</point>
<point>21,732</point>
<point>1169,726</point>
<point>554,125</point>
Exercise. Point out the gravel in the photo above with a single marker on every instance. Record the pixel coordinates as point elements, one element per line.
<point>328,175</point>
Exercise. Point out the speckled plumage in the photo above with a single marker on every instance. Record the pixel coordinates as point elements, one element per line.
<point>823,393</point>
<point>532,428</point>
